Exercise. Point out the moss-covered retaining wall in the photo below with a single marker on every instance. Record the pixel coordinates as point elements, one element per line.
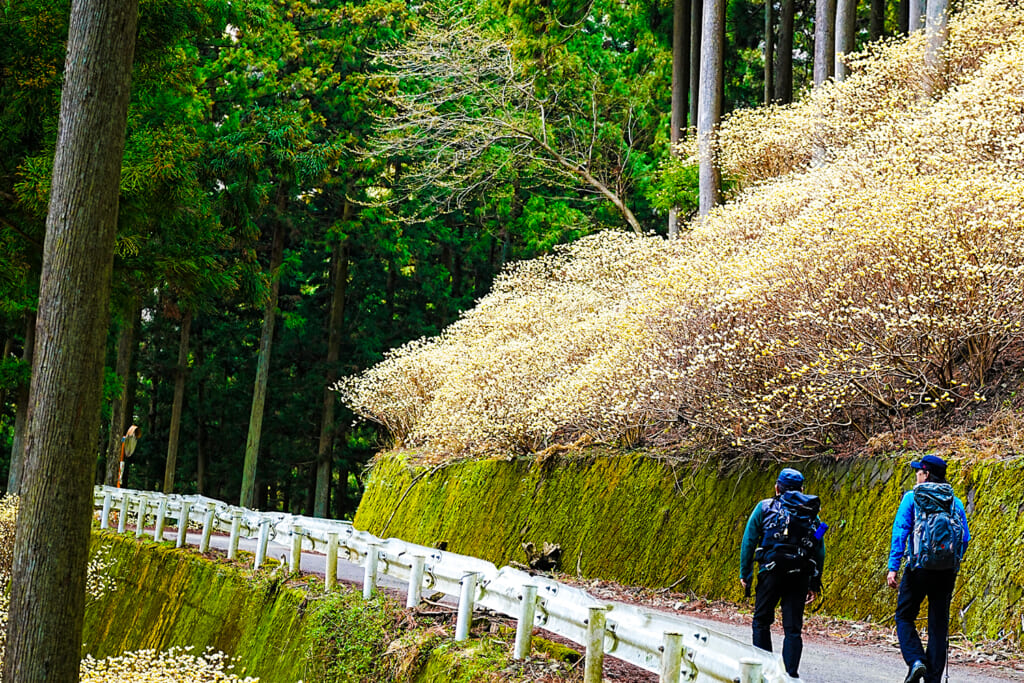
<point>163,598</point>
<point>159,597</point>
<point>635,519</point>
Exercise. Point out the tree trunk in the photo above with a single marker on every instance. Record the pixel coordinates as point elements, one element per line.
<point>846,34</point>
<point>47,593</point>
<point>174,430</point>
<point>341,493</point>
<point>937,30</point>
<point>769,52</point>
<point>14,478</point>
<point>903,16</point>
<point>259,395</point>
<point>325,450</point>
<point>153,409</point>
<point>710,102</point>
<point>915,15</point>
<point>696,26</point>
<point>119,415</point>
<point>876,24</point>
<point>824,40</point>
<point>680,89</point>
<point>307,474</point>
<point>200,423</point>
<point>7,352</point>
<point>784,70</point>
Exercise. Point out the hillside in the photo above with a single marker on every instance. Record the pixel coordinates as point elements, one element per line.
<point>862,291</point>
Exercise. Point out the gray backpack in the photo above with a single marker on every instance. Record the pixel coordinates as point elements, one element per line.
<point>937,534</point>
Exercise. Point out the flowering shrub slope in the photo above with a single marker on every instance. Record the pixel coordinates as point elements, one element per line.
<point>830,301</point>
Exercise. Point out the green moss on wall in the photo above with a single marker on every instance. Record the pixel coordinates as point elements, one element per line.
<point>633,519</point>
<point>348,637</point>
<point>475,661</point>
<point>488,659</point>
<point>164,598</point>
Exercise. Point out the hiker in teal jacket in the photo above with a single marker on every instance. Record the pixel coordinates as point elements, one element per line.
<point>918,582</point>
<point>793,588</point>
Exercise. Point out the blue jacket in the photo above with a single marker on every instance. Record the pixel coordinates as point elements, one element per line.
<point>903,527</point>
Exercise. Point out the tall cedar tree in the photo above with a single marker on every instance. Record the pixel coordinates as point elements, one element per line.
<point>710,111</point>
<point>47,596</point>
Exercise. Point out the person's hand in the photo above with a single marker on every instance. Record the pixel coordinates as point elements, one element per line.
<point>890,579</point>
<point>744,584</point>
<point>811,597</point>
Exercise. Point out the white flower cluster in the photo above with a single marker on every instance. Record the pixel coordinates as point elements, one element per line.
<point>822,304</point>
<point>177,665</point>
<point>98,581</point>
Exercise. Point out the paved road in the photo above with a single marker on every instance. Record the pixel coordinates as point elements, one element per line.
<point>830,662</point>
<point>822,661</point>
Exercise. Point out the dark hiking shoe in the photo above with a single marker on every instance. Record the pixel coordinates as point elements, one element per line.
<point>917,672</point>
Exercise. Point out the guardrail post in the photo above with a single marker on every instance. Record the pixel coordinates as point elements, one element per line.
<point>186,507</point>
<point>161,516</point>
<point>296,559</point>
<point>108,499</point>
<point>524,627</point>
<point>750,671</point>
<point>122,517</point>
<point>261,544</point>
<point>204,544</point>
<point>140,519</point>
<point>236,527</point>
<point>594,663</point>
<point>331,575</point>
<point>671,657</point>
<point>415,581</point>
<point>467,596</point>
<point>370,574</point>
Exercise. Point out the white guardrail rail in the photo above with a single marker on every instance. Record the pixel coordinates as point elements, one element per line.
<point>675,647</point>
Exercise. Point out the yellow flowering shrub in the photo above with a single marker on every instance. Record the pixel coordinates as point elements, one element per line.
<point>881,285</point>
<point>888,82</point>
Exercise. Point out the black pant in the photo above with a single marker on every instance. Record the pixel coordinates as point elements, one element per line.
<point>791,591</point>
<point>937,586</point>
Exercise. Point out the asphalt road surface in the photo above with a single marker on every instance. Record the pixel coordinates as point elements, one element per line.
<point>822,661</point>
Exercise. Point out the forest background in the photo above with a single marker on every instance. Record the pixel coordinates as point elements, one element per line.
<point>308,185</point>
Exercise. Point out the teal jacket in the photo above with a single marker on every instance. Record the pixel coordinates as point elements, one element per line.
<point>752,537</point>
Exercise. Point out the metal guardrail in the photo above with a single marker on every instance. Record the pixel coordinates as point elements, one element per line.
<point>675,647</point>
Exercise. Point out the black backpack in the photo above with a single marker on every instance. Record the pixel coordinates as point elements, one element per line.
<point>789,542</point>
<point>937,536</point>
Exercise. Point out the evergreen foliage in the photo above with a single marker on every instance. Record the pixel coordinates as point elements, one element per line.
<point>249,116</point>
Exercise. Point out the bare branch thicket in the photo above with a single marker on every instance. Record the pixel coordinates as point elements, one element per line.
<point>467,115</point>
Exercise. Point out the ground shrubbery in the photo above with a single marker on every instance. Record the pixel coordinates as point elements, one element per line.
<point>876,288</point>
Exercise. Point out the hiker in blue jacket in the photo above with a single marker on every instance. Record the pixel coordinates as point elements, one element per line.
<point>784,535</point>
<point>935,523</point>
